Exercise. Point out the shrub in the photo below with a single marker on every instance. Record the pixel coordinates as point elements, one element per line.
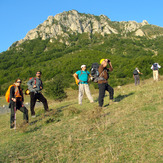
<point>55,88</point>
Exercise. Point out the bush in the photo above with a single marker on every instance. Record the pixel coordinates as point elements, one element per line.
<point>55,89</point>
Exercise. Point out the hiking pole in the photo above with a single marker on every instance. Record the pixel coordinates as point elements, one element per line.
<point>15,116</point>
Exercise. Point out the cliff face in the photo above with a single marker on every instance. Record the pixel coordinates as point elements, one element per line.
<point>73,22</point>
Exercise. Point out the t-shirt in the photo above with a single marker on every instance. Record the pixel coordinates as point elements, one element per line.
<point>83,76</point>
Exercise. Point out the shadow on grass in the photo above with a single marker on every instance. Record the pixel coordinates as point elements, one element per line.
<point>118,98</point>
<point>121,97</point>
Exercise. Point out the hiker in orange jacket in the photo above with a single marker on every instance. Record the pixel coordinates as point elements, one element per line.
<point>16,102</point>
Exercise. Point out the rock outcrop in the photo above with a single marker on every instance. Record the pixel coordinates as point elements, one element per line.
<point>72,22</point>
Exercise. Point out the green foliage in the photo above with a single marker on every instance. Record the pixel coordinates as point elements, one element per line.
<point>55,89</point>
<point>55,58</point>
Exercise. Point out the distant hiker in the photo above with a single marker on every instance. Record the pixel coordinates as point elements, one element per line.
<point>103,83</point>
<point>155,67</point>
<point>81,77</point>
<point>35,86</point>
<point>16,102</point>
<point>136,73</point>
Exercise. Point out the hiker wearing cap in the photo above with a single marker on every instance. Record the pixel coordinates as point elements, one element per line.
<point>81,77</point>
<point>136,73</point>
<point>16,102</point>
<point>35,86</point>
<point>155,67</point>
<point>103,83</point>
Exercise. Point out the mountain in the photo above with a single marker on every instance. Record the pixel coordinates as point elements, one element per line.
<point>63,42</point>
<point>71,22</point>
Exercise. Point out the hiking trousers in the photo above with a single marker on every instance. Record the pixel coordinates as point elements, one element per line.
<point>155,75</point>
<point>137,79</point>
<point>84,88</point>
<point>33,98</point>
<point>102,88</point>
<point>22,109</point>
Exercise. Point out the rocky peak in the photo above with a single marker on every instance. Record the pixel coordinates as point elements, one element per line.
<point>69,22</point>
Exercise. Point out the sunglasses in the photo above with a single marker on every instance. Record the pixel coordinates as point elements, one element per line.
<point>18,81</point>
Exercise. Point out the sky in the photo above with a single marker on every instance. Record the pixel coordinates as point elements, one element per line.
<point>17,17</point>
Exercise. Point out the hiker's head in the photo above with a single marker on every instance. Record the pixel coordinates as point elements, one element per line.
<point>104,62</point>
<point>136,68</point>
<point>18,82</point>
<point>38,74</point>
<point>83,67</point>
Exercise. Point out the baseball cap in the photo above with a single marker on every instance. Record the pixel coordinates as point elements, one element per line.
<point>101,60</point>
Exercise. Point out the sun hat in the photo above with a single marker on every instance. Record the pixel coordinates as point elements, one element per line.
<point>83,66</point>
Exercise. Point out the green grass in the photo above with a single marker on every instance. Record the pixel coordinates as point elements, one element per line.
<point>128,131</point>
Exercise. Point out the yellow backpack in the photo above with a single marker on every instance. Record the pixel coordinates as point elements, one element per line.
<point>7,95</point>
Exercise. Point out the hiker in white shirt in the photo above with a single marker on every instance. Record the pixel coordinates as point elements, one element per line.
<point>155,67</point>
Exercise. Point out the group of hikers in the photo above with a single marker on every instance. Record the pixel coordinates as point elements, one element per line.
<point>16,98</point>
<point>155,67</point>
<point>99,74</point>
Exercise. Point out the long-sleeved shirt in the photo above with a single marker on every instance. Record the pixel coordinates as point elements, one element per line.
<point>37,82</point>
<point>103,72</point>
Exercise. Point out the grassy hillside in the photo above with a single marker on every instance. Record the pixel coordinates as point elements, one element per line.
<point>128,131</point>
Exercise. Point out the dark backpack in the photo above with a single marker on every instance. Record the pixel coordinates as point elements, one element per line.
<point>95,73</point>
<point>135,72</point>
<point>155,67</point>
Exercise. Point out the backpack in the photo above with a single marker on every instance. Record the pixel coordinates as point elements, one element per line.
<point>95,73</point>
<point>7,95</point>
<point>27,91</point>
<point>155,67</point>
<point>135,72</point>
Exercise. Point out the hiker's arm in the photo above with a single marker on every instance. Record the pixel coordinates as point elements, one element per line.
<point>90,77</point>
<point>76,77</point>
<point>41,86</point>
<point>12,94</point>
<point>111,67</point>
<point>140,72</point>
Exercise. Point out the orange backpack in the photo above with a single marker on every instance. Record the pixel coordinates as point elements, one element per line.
<point>7,95</point>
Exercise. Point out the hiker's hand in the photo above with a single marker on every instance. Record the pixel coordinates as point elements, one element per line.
<point>40,87</point>
<point>34,86</point>
<point>14,99</point>
<point>78,80</point>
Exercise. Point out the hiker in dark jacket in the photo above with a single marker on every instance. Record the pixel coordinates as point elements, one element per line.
<point>16,102</point>
<point>136,73</point>
<point>103,83</point>
<point>35,86</point>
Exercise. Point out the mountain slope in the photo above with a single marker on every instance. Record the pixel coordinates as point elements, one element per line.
<point>129,131</point>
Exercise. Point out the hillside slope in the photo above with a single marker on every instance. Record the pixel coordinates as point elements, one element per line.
<point>129,131</point>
